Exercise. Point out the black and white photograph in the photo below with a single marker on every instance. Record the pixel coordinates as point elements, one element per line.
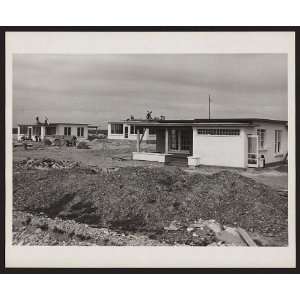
<point>151,149</point>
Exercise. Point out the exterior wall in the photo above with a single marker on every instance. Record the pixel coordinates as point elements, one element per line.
<point>229,151</point>
<point>60,130</point>
<point>269,144</point>
<point>147,136</point>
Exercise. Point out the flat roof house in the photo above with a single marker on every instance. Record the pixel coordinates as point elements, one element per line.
<point>43,130</point>
<point>123,130</point>
<point>238,143</point>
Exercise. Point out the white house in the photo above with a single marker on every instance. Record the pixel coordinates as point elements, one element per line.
<point>217,142</point>
<point>124,131</point>
<point>43,130</point>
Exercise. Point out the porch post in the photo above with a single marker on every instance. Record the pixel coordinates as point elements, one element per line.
<point>138,140</point>
<point>42,132</point>
<point>179,139</point>
<point>166,141</point>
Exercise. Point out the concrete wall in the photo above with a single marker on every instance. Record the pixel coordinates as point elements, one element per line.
<point>229,151</point>
<point>269,148</point>
<point>146,156</point>
<point>147,136</point>
<point>60,130</point>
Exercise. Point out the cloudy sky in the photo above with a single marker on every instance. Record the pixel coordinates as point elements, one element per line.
<point>97,88</point>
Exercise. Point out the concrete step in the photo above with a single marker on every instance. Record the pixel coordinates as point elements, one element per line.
<point>177,160</point>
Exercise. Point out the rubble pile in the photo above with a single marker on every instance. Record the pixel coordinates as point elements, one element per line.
<point>46,163</point>
<point>208,233</point>
<point>39,230</point>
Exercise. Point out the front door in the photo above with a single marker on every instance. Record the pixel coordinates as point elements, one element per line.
<point>29,132</point>
<point>253,151</point>
<point>126,132</point>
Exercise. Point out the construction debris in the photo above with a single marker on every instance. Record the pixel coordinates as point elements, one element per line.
<point>246,237</point>
<point>46,163</point>
<point>149,199</point>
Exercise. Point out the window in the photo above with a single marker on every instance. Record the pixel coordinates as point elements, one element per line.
<point>23,129</point>
<point>277,141</point>
<point>133,129</point>
<point>218,131</point>
<point>50,130</point>
<point>67,130</point>
<point>116,128</point>
<point>261,138</point>
<point>152,130</point>
<point>80,131</point>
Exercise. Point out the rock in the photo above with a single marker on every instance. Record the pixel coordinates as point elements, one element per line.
<point>173,226</point>
<point>214,226</point>
<point>37,231</point>
<point>230,236</point>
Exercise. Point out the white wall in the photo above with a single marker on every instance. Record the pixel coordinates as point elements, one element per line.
<point>60,130</point>
<point>229,151</point>
<point>146,137</point>
<point>269,148</point>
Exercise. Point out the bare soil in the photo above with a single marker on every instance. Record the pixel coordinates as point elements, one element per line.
<point>138,198</point>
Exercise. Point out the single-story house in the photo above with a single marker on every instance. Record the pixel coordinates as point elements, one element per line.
<point>124,130</point>
<point>44,130</point>
<point>238,143</point>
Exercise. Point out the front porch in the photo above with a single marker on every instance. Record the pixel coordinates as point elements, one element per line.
<point>173,146</point>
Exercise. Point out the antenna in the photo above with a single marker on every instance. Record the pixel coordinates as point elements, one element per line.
<point>209,107</point>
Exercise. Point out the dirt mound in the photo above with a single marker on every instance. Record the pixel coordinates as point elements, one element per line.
<point>141,199</point>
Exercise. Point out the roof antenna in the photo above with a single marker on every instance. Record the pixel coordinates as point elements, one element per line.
<point>209,107</point>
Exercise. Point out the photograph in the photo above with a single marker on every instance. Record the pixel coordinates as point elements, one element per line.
<point>145,150</point>
<point>150,150</point>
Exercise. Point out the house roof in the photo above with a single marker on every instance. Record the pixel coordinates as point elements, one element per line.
<point>242,122</point>
<point>52,124</point>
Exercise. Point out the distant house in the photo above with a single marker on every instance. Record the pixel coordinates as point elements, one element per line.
<point>124,130</point>
<point>216,142</point>
<point>43,130</point>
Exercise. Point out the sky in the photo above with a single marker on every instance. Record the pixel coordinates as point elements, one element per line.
<point>96,89</point>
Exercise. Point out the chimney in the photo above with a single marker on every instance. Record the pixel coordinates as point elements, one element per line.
<point>37,120</point>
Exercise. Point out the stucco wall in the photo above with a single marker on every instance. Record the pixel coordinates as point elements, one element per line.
<point>229,151</point>
<point>269,148</point>
<point>147,136</point>
<point>60,130</point>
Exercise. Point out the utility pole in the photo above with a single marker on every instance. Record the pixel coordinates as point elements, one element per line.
<point>209,107</point>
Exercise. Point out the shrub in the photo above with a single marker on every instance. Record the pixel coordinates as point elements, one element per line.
<point>83,145</point>
<point>47,142</point>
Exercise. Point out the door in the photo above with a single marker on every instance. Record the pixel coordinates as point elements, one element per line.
<point>126,132</point>
<point>29,132</point>
<point>253,151</point>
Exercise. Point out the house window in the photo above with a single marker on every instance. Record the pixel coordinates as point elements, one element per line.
<point>218,131</point>
<point>277,141</point>
<point>117,128</point>
<point>80,131</point>
<point>50,130</point>
<point>133,129</point>
<point>152,130</point>
<point>67,130</point>
<point>23,129</point>
<point>261,138</point>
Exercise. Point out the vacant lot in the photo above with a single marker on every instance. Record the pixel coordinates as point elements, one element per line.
<point>141,200</point>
